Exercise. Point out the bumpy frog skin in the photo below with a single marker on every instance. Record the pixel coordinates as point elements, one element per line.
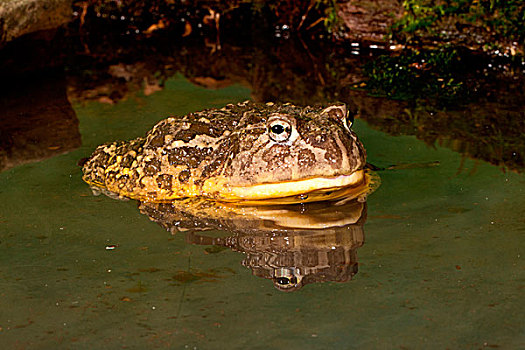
<point>244,152</point>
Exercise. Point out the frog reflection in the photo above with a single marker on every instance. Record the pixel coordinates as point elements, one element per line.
<point>293,245</point>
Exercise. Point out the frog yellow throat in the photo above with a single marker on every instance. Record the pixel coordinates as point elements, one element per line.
<point>244,152</point>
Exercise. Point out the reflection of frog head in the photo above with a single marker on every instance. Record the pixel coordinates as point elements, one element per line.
<point>290,279</point>
<point>292,245</point>
<point>287,278</point>
<point>295,259</point>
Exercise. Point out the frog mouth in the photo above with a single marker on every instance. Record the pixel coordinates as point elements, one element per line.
<point>298,191</point>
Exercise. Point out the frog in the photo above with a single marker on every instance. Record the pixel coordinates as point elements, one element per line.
<point>247,152</point>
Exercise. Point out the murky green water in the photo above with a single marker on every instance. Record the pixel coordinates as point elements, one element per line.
<point>442,266</point>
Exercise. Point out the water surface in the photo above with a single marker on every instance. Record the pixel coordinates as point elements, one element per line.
<point>442,264</point>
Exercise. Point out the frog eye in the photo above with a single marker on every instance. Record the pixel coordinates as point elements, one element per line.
<point>285,278</point>
<point>286,282</point>
<point>283,281</point>
<point>279,130</point>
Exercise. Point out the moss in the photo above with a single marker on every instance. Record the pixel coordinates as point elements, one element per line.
<point>498,19</point>
<point>430,75</point>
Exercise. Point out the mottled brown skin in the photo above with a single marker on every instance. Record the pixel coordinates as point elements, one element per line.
<point>206,153</point>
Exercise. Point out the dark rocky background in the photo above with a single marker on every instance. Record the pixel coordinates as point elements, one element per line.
<point>449,74</point>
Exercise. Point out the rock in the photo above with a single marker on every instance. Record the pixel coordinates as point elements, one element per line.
<point>37,120</point>
<point>368,20</point>
<point>19,17</point>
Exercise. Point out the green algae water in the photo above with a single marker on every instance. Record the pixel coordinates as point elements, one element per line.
<point>442,265</point>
